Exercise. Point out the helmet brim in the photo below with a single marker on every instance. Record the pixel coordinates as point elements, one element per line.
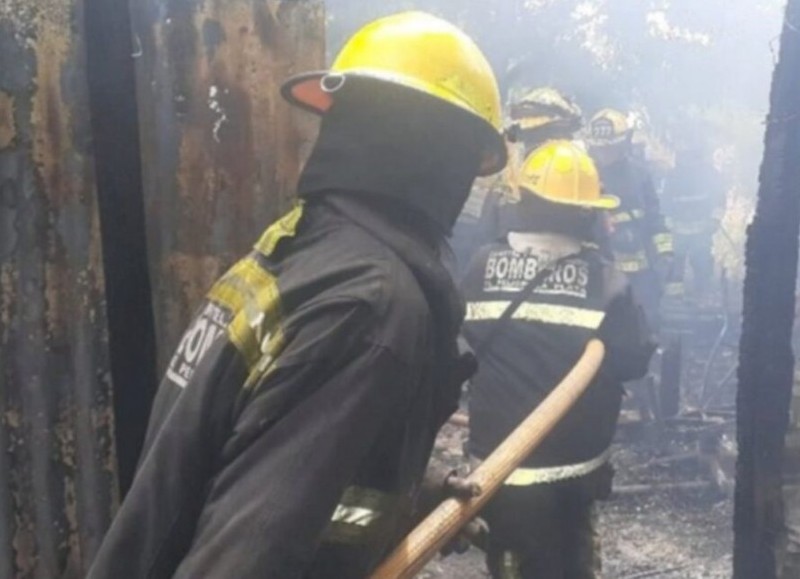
<point>307,91</point>
<point>600,143</point>
<point>604,202</point>
<point>495,158</point>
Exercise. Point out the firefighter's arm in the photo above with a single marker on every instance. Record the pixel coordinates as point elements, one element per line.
<point>155,523</point>
<point>442,482</point>
<point>660,234</point>
<point>628,339</point>
<point>297,446</point>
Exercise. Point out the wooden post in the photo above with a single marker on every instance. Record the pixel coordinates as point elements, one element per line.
<point>766,358</point>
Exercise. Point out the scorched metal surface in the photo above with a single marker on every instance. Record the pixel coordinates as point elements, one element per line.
<point>56,444</point>
<point>221,150</point>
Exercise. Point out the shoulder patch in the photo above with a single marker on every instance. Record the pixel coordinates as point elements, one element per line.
<point>251,294</point>
<point>245,304</point>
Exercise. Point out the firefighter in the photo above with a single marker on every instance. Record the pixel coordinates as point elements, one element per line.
<point>539,115</point>
<point>693,197</point>
<point>544,114</point>
<point>534,300</point>
<point>290,433</point>
<point>641,242</point>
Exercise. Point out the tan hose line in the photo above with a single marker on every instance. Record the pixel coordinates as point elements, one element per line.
<point>428,538</point>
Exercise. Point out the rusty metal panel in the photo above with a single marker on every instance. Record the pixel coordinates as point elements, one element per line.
<point>221,150</point>
<point>57,481</point>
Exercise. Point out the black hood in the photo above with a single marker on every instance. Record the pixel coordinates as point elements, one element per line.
<point>399,144</point>
<point>534,214</point>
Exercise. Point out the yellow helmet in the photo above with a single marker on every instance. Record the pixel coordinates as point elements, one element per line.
<point>562,172</point>
<point>609,127</point>
<point>545,106</point>
<point>417,51</point>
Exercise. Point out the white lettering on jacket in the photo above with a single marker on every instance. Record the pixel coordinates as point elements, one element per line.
<point>206,328</point>
<point>509,271</point>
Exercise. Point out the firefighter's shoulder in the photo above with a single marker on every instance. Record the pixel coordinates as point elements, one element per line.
<point>350,264</point>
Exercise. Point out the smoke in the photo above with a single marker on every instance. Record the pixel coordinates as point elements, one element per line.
<point>685,63</point>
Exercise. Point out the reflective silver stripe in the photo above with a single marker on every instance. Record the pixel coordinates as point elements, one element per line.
<point>523,477</point>
<point>630,262</point>
<point>362,515</point>
<point>510,566</point>
<point>482,311</point>
<point>358,516</point>
<point>545,313</point>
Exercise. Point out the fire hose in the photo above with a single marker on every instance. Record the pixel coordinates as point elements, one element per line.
<point>444,523</point>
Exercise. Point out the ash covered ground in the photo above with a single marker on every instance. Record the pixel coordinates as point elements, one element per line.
<point>672,517</point>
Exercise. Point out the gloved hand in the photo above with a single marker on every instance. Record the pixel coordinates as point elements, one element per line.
<point>476,532</point>
<point>441,483</point>
<point>462,488</point>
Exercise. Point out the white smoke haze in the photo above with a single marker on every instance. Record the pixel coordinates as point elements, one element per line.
<point>694,73</point>
<point>694,78</point>
<point>674,57</point>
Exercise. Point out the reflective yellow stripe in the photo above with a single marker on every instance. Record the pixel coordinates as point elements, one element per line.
<point>622,217</point>
<point>630,263</point>
<point>630,267</point>
<point>533,122</point>
<point>523,477</point>
<point>545,313</point>
<point>285,227</point>
<point>251,293</point>
<point>626,216</point>
<point>674,289</point>
<point>663,242</point>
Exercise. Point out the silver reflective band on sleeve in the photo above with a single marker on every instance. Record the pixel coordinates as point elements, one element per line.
<point>363,515</point>
<point>523,477</point>
<point>545,313</point>
<point>359,516</point>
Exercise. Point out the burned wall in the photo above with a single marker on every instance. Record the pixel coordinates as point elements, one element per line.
<point>221,150</point>
<point>57,482</point>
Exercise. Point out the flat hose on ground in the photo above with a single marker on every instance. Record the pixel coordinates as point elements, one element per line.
<point>424,542</point>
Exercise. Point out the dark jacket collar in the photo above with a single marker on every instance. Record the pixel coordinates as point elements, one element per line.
<point>415,248</point>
